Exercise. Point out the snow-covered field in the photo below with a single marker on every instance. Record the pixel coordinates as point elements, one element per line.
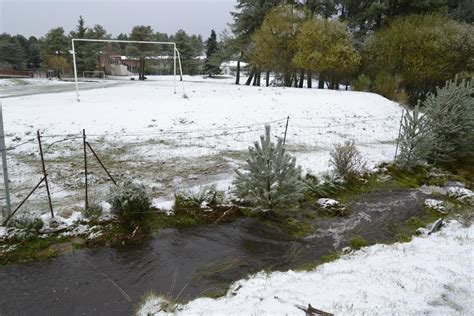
<point>431,275</point>
<point>173,143</point>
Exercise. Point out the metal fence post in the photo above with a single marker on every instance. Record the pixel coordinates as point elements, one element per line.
<point>399,134</point>
<point>45,175</point>
<point>85,167</point>
<point>286,129</point>
<point>3,150</point>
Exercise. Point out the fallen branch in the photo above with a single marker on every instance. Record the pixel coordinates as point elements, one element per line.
<point>223,215</point>
<point>436,226</point>
<point>309,311</point>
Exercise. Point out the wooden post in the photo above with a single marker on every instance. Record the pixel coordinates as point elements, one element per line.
<point>45,175</point>
<point>3,151</point>
<point>85,168</point>
<point>286,130</point>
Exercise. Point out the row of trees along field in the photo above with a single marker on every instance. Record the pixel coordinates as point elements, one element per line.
<point>53,51</point>
<point>400,49</point>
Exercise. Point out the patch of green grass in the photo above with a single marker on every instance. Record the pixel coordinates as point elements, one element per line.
<point>369,183</point>
<point>296,228</point>
<point>358,242</point>
<point>215,292</point>
<point>158,220</point>
<point>401,237</point>
<point>330,257</point>
<point>308,266</point>
<point>32,249</point>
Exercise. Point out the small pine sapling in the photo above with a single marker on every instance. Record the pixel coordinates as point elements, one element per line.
<point>414,141</point>
<point>272,179</point>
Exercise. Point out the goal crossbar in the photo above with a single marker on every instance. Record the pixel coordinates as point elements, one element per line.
<point>176,56</point>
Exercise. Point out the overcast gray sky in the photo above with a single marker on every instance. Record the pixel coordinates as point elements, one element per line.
<point>36,17</point>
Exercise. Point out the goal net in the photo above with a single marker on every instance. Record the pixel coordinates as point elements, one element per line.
<point>133,64</point>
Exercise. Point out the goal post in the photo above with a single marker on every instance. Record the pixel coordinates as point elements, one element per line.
<point>176,57</point>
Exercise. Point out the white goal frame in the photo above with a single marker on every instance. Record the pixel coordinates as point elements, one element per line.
<point>176,57</point>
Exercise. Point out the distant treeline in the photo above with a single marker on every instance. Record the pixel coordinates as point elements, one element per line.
<point>401,49</point>
<point>53,50</point>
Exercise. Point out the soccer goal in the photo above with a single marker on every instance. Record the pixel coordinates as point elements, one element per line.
<point>94,74</point>
<point>176,57</point>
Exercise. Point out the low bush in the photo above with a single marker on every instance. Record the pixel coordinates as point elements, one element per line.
<point>207,197</point>
<point>25,228</point>
<point>347,160</point>
<point>130,201</point>
<point>94,211</point>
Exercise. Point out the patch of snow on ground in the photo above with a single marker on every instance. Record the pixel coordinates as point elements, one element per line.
<point>460,193</point>
<point>163,204</point>
<point>434,204</point>
<point>327,202</point>
<point>3,231</point>
<point>429,275</point>
<point>174,144</point>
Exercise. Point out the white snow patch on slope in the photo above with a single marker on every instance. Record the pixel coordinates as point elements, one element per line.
<point>429,275</point>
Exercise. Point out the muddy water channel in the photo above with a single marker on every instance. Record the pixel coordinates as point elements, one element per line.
<point>190,262</point>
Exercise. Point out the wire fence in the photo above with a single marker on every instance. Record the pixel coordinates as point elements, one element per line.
<point>176,159</point>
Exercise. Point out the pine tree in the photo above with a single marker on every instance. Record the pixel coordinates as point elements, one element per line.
<point>211,48</point>
<point>450,116</point>
<point>414,139</point>
<point>12,54</point>
<point>189,48</point>
<point>272,179</point>
<point>141,33</point>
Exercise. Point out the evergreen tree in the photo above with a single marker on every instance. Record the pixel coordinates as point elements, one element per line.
<point>141,33</point>
<point>55,50</point>
<point>80,47</point>
<point>462,10</point>
<point>211,49</point>
<point>414,139</point>
<point>248,17</point>
<point>189,49</point>
<point>367,16</point>
<point>12,54</point>
<point>34,53</point>
<point>272,180</point>
<point>450,118</point>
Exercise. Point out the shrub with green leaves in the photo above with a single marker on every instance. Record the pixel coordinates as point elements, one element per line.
<point>129,200</point>
<point>25,227</point>
<point>271,179</point>
<point>423,51</point>
<point>94,211</point>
